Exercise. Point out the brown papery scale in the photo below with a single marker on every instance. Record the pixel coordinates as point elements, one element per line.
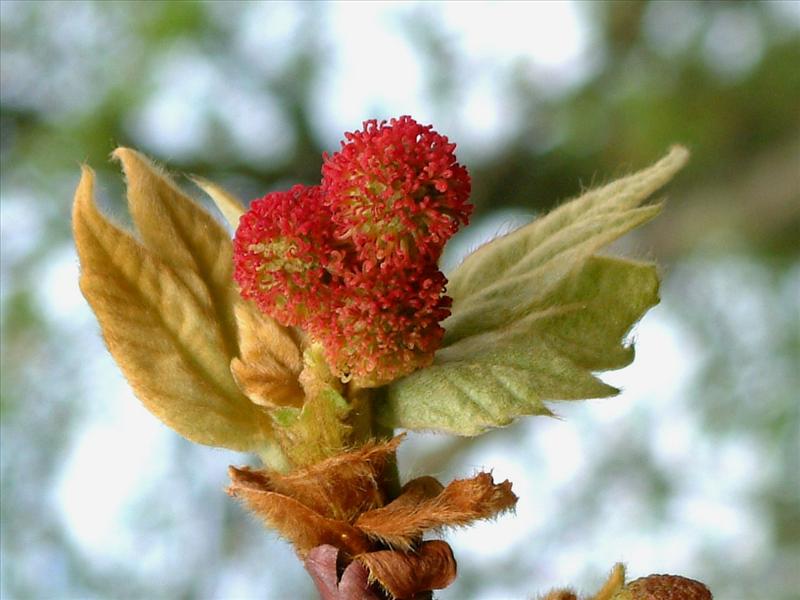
<point>665,587</point>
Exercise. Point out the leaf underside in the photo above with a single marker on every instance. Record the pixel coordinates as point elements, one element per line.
<point>536,313</point>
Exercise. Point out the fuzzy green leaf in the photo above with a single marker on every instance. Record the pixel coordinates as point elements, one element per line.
<point>535,313</point>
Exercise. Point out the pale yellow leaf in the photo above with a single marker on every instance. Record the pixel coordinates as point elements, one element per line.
<point>270,360</point>
<point>183,235</point>
<point>163,333</point>
<point>229,205</point>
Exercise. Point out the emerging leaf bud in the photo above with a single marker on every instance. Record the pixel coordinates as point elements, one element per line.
<point>279,249</point>
<point>396,192</point>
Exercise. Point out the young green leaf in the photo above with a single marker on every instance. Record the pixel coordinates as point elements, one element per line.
<point>500,280</point>
<point>160,324</point>
<point>535,313</point>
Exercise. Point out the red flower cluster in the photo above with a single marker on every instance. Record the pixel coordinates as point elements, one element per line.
<point>354,261</point>
<point>280,250</point>
<point>397,192</point>
<point>385,327</point>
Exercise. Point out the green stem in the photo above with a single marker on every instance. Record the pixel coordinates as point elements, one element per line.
<point>366,427</point>
<point>273,457</point>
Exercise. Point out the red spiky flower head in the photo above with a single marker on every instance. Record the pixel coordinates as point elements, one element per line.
<point>396,192</point>
<point>383,327</point>
<point>279,252</point>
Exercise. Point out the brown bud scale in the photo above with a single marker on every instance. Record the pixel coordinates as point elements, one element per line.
<point>667,587</point>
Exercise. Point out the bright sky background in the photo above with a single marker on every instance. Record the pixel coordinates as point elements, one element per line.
<point>546,40</point>
<point>123,442</point>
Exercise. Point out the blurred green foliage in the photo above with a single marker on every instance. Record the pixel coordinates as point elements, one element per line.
<point>78,79</point>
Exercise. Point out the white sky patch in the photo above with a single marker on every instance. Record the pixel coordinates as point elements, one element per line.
<point>561,443</point>
<point>725,523</point>
<point>112,458</point>
<point>551,34</point>
<point>20,225</point>
<point>788,11</point>
<point>734,43</point>
<point>544,42</point>
<point>664,360</point>
<point>60,294</point>
<point>172,121</point>
<point>375,72</point>
<point>267,32</point>
<point>493,225</point>
<point>670,27</point>
<point>257,124</point>
<point>486,116</point>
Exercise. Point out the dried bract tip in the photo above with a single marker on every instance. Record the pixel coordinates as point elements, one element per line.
<point>402,522</point>
<point>614,583</point>
<point>340,487</point>
<point>396,191</point>
<point>299,524</point>
<point>565,594</point>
